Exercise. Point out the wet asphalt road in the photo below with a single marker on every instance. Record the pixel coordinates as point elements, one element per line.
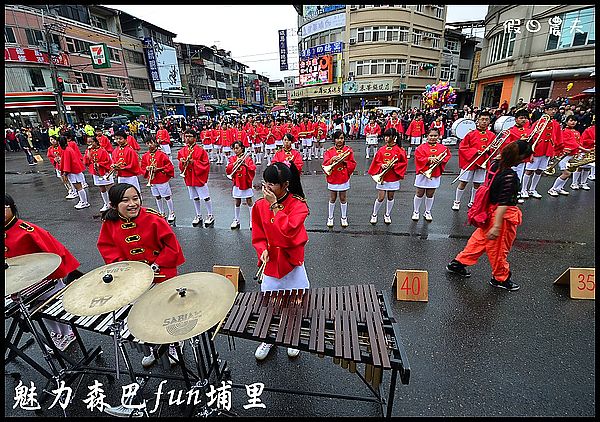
<point>473,350</point>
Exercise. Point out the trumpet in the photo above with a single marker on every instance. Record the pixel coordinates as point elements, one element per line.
<point>495,145</point>
<point>112,171</point>
<point>238,164</point>
<point>151,172</point>
<point>187,160</point>
<point>334,161</point>
<point>538,131</point>
<point>378,178</point>
<point>439,158</point>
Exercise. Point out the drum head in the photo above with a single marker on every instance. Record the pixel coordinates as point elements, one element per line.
<point>462,126</point>
<point>504,123</point>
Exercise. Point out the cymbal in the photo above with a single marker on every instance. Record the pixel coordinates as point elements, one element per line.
<point>167,314</point>
<point>26,270</point>
<point>108,288</point>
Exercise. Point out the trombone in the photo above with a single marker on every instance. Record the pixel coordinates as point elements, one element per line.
<point>428,173</point>
<point>538,131</point>
<point>495,145</point>
<point>238,163</point>
<point>378,178</point>
<point>334,161</point>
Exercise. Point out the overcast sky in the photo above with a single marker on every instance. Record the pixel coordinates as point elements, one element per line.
<point>249,32</point>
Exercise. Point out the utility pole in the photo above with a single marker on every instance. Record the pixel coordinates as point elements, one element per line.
<point>48,28</point>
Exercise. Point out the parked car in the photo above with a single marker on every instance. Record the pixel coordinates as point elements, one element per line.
<point>119,120</point>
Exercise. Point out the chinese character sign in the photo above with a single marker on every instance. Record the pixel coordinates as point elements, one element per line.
<point>316,71</point>
<point>100,58</point>
<point>283,52</point>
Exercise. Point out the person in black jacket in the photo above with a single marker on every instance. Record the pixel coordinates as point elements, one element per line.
<point>24,144</point>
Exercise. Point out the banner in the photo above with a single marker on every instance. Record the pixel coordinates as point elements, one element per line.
<point>162,65</point>
<point>30,55</point>
<point>324,24</point>
<point>319,50</point>
<point>316,71</point>
<point>100,57</point>
<point>283,51</point>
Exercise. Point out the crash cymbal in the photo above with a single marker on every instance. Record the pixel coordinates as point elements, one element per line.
<point>108,288</point>
<point>25,270</point>
<point>181,308</point>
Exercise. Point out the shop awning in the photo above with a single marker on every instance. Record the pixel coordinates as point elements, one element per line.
<point>29,99</point>
<point>134,109</point>
<point>75,99</point>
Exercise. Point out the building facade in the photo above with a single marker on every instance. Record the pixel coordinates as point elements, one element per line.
<point>535,51</point>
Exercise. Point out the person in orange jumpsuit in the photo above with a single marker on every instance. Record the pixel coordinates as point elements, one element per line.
<point>339,178</point>
<point>242,181</point>
<point>157,162</point>
<point>289,154</point>
<point>279,235</point>
<point>497,236</point>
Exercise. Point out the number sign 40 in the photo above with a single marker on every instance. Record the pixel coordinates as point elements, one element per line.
<point>411,285</point>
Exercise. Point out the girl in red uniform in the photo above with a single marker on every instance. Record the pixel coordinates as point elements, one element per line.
<point>71,166</point>
<point>289,154</point>
<point>132,142</point>
<point>279,235</point>
<point>426,156</point>
<point>164,139</point>
<point>372,133</point>
<point>55,155</point>
<point>272,135</point>
<point>415,131</point>
<point>588,142</point>
<point>104,141</point>
<point>320,135</point>
<point>22,238</point>
<point>396,123</point>
<point>242,181</point>
<point>568,147</point>
<point>339,179</point>
<point>157,162</point>
<point>98,163</point>
<point>391,179</point>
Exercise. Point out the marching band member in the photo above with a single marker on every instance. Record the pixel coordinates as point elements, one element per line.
<point>396,123</point>
<point>194,164</point>
<point>158,169</point>
<point>54,154</point>
<point>205,138</point>
<point>288,153</point>
<point>22,238</point>
<point>242,181</point>
<point>339,179</point>
<point>72,167</point>
<point>305,137</point>
<point>391,180</point>
<point>281,130</point>
<point>432,153</point>
<point>588,142</point>
<point>132,142</point>
<point>415,131</point>
<point>226,140</point>
<point>98,163</point>
<point>103,140</point>
<point>372,133</point>
<point>131,232</point>
<point>71,143</point>
<point>164,139</point>
<point>256,136</point>
<point>241,135</point>
<point>279,235</point>
<point>497,237</point>
<point>439,125</point>
<point>472,146</point>
<point>272,135</point>
<point>519,131</point>
<point>543,151</point>
<point>125,161</point>
<point>320,135</point>
<point>566,150</point>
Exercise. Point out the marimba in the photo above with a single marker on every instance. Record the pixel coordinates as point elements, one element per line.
<point>352,324</point>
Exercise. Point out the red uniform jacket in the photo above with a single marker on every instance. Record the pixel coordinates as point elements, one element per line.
<point>73,145</point>
<point>570,139</point>
<point>162,135</point>
<point>22,238</point>
<point>54,154</point>
<point>373,129</point>
<point>100,157</point>
<point>342,171</point>
<point>166,169</point>
<point>588,137</point>
<point>422,154</point>
<point>397,124</point>
<point>70,162</point>
<point>133,143</point>
<point>515,134</point>
<point>283,235</point>
<point>306,127</point>
<point>130,162</point>
<point>205,137</point>
<point>224,139</point>
<point>384,155</point>
<point>474,142</point>
<point>105,143</point>
<point>196,173</point>
<point>147,238</point>
<point>295,130</point>
<point>272,135</point>
<point>550,137</point>
<point>439,126</point>
<point>261,132</point>
<point>292,155</point>
<point>242,136</point>
<point>244,175</point>
<point>323,130</point>
<point>415,128</point>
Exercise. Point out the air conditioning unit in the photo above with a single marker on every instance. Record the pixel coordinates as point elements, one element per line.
<point>353,7</point>
<point>352,41</point>
<point>94,116</point>
<point>350,76</point>
<point>39,88</point>
<point>83,86</point>
<point>104,115</point>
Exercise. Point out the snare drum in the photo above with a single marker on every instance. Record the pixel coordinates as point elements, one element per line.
<point>371,139</point>
<point>462,126</point>
<point>504,123</point>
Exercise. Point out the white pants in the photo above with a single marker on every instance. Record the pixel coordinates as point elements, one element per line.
<point>477,176</point>
<point>198,192</point>
<point>539,163</point>
<point>132,180</point>
<point>161,189</point>
<point>76,177</point>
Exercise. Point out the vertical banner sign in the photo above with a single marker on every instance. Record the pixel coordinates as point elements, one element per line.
<point>151,60</point>
<point>100,58</point>
<point>257,90</point>
<point>242,88</point>
<point>283,52</point>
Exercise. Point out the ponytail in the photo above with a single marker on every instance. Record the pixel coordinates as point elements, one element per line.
<point>280,173</point>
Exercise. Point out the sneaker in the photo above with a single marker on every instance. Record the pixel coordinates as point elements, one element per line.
<point>106,207</point>
<point>367,157</point>
<point>235,224</point>
<point>344,222</point>
<point>415,216</point>
<point>563,192</point>
<point>592,178</point>
<point>535,194</point>
<point>122,412</point>
<point>84,185</point>
<point>197,220</point>
<point>507,284</point>
<point>458,268</point>
<point>148,361</point>
<point>330,222</point>
<point>71,195</point>
<point>584,186</point>
<point>552,192</point>
<point>469,205</point>
<point>171,217</point>
<point>209,221</point>
<point>80,205</point>
<point>456,205</point>
<point>292,352</point>
<point>373,219</point>
<point>66,341</point>
<point>574,186</point>
<point>524,195</point>
<point>427,216</point>
<point>387,219</point>
<point>262,351</point>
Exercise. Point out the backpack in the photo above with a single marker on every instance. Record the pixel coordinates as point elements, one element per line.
<point>479,214</point>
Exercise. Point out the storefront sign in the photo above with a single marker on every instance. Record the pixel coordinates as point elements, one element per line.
<point>31,55</point>
<point>320,50</point>
<point>318,70</point>
<point>283,51</point>
<point>324,24</point>
<point>316,91</point>
<point>312,11</point>
<point>100,58</point>
<point>365,87</point>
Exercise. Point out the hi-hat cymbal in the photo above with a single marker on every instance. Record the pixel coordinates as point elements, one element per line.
<point>181,308</point>
<point>26,270</point>
<point>108,288</point>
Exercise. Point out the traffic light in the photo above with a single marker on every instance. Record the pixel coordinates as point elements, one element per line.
<point>60,84</point>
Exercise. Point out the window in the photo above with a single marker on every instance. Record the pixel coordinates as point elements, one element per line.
<point>451,45</point>
<point>403,34</point>
<point>114,54</point>
<point>439,11</point>
<point>34,37</point>
<point>435,40</point>
<point>491,95</point>
<point>413,69</point>
<point>77,46</point>
<point>134,56</point>
<point>417,37</point>
<point>462,76</point>
<point>432,71</point>
<point>139,83</point>
<point>9,35</point>
<point>445,73</point>
<point>542,89</point>
<point>78,77</point>
<point>92,80</point>
<point>113,83</point>
<point>99,22</point>
<point>37,79</point>
<point>577,29</point>
<point>501,46</point>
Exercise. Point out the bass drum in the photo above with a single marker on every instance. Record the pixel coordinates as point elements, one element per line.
<point>504,123</point>
<point>462,126</point>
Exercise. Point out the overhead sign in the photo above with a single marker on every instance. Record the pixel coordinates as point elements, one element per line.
<point>100,57</point>
<point>162,65</point>
<point>31,55</point>
<point>316,71</point>
<point>367,86</point>
<point>320,50</point>
<point>283,51</point>
<point>316,91</point>
<point>324,24</point>
<point>312,11</point>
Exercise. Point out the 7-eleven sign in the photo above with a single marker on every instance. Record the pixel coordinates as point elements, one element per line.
<point>100,58</point>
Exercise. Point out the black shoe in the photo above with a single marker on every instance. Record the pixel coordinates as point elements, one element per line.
<point>457,268</point>
<point>508,284</point>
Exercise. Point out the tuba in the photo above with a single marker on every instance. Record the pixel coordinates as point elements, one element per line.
<point>550,168</point>
<point>335,160</point>
<point>378,178</point>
